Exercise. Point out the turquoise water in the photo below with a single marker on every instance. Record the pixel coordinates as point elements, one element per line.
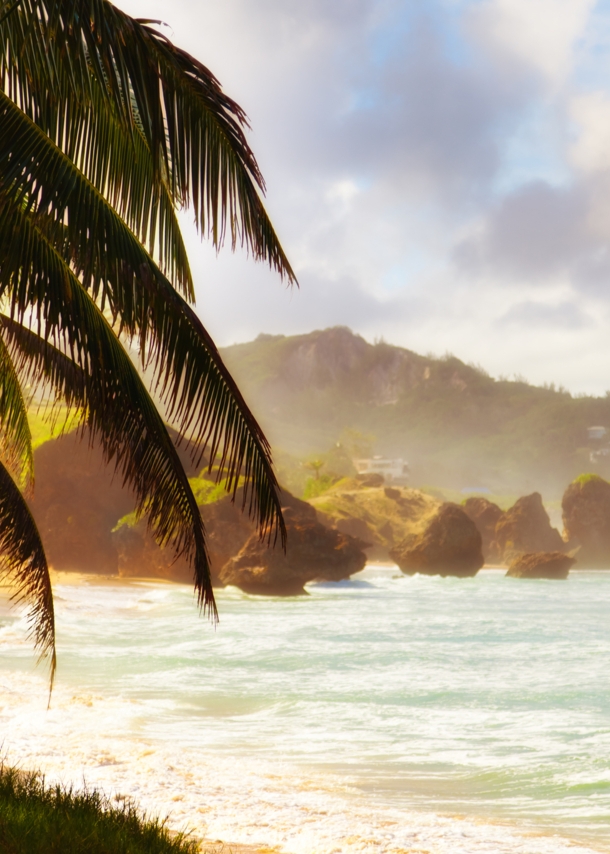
<point>383,714</point>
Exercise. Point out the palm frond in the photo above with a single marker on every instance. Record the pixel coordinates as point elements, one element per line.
<point>119,165</point>
<point>24,564</point>
<point>15,435</point>
<point>45,366</point>
<point>40,289</point>
<point>197,389</point>
<point>195,133</point>
<point>106,130</point>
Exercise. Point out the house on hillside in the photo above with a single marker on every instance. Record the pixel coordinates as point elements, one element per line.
<point>392,470</point>
<point>597,434</point>
<point>599,443</point>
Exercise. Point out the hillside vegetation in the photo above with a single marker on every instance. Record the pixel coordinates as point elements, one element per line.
<point>456,426</point>
<point>379,517</point>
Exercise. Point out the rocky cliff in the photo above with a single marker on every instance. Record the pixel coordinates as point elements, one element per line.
<point>586,520</point>
<point>76,502</point>
<point>457,426</point>
<point>380,516</point>
<point>84,517</point>
<point>486,515</point>
<point>526,527</point>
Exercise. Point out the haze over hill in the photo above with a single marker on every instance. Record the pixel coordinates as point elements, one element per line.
<point>457,426</point>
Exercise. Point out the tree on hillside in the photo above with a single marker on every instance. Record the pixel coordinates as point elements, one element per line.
<point>107,129</point>
<point>315,466</point>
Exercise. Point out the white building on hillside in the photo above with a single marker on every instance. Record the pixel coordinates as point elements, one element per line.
<point>397,469</point>
<point>597,434</point>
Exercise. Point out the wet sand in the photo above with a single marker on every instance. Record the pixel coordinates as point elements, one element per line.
<point>217,847</point>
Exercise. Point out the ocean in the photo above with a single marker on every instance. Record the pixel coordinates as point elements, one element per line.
<point>382,714</point>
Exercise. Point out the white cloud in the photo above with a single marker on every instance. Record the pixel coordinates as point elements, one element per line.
<point>438,173</point>
<point>541,33</point>
<point>590,112</point>
<point>341,193</point>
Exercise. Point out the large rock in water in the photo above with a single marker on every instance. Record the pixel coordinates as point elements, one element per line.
<point>449,545</point>
<point>485,515</point>
<point>314,552</point>
<point>586,520</point>
<point>526,527</point>
<point>552,565</point>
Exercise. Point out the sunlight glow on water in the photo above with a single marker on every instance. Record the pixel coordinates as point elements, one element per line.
<point>383,714</point>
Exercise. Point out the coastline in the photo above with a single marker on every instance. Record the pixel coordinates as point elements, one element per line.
<point>216,846</point>
<point>251,733</point>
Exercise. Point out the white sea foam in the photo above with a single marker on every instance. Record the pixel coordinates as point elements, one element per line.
<point>409,715</point>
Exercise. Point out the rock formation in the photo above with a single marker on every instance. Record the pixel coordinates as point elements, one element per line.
<point>552,565</point>
<point>371,480</point>
<point>485,515</point>
<point>314,552</point>
<point>586,520</point>
<point>76,503</point>
<point>139,556</point>
<point>380,517</point>
<point>526,527</point>
<point>449,545</point>
<point>227,530</point>
<point>79,501</point>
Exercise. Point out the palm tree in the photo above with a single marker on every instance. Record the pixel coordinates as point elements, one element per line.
<point>106,130</point>
<point>315,466</point>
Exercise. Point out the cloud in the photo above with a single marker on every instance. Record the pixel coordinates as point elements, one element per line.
<point>430,126</point>
<point>542,236</point>
<point>535,233</point>
<point>438,173</point>
<point>590,151</point>
<point>542,34</point>
<point>538,315</point>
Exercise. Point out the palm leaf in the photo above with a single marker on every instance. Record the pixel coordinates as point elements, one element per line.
<point>23,563</point>
<point>106,128</point>
<point>46,367</point>
<point>194,132</point>
<point>120,166</point>
<point>39,286</point>
<point>193,382</point>
<point>14,427</point>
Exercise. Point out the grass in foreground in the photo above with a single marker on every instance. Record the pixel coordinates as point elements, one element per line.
<point>40,819</point>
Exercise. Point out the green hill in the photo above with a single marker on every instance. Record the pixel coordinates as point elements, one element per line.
<point>456,426</point>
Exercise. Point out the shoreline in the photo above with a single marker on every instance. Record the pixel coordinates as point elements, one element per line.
<point>217,846</point>
<point>233,777</point>
<point>482,834</point>
<point>78,578</point>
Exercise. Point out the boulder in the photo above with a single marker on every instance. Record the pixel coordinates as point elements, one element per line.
<point>79,499</point>
<point>586,520</point>
<point>553,565</point>
<point>526,527</point>
<point>485,515</point>
<point>379,516</point>
<point>76,503</point>
<point>226,527</point>
<point>450,544</point>
<point>139,556</point>
<point>314,552</point>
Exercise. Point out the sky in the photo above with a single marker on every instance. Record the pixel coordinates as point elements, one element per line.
<point>438,172</point>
